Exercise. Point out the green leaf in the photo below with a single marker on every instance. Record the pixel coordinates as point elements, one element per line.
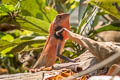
<point>17,46</point>
<point>110,27</point>
<point>9,2</point>
<point>3,52</point>
<point>107,5</point>
<point>35,8</point>
<point>19,43</point>
<point>6,8</point>
<point>82,10</point>
<point>7,37</point>
<point>2,34</point>
<point>51,13</point>
<point>88,22</point>
<point>5,44</point>
<point>84,18</point>
<point>32,6</point>
<point>33,24</point>
<point>22,45</point>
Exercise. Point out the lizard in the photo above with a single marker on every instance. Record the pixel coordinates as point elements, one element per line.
<point>55,42</point>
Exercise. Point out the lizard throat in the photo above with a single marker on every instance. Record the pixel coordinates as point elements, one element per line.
<point>58,36</point>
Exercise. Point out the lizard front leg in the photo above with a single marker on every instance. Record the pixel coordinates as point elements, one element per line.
<point>59,35</point>
<point>61,56</point>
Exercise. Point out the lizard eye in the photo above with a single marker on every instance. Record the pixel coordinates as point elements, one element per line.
<point>60,17</point>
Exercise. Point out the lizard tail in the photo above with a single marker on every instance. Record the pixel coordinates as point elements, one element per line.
<point>40,62</point>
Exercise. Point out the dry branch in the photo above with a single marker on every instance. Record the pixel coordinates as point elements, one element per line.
<point>100,50</point>
<point>84,61</point>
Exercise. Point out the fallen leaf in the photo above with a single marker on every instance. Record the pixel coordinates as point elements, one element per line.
<point>57,77</point>
<point>66,73</point>
<point>84,77</point>
<point>114,70</point>
<point>62,75</point>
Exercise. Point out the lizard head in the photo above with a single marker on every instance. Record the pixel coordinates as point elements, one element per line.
<point>61,21</point>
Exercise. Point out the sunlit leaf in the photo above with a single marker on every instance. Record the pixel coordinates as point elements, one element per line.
<point>6,8</point>
<point>3,52</point>
<point>51,13</point>
<point>110,27</point>
<point>107,5</point>
<point>35,8</point>
<point>7,37</point>
<point>23,44</point>
<point>87,23</point>
<point>9,2</point>
<point>82,10</point>
<point>6,44</point>
<point>3,42</point>
<point>33,24</point>
<point>20,42</point>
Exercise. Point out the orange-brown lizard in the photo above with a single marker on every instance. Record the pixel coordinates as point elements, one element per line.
<point>55,42</point>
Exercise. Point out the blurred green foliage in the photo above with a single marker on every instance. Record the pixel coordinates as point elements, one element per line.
<point>24,26</point>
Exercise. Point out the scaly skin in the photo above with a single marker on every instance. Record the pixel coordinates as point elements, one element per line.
<point>48,56</point>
